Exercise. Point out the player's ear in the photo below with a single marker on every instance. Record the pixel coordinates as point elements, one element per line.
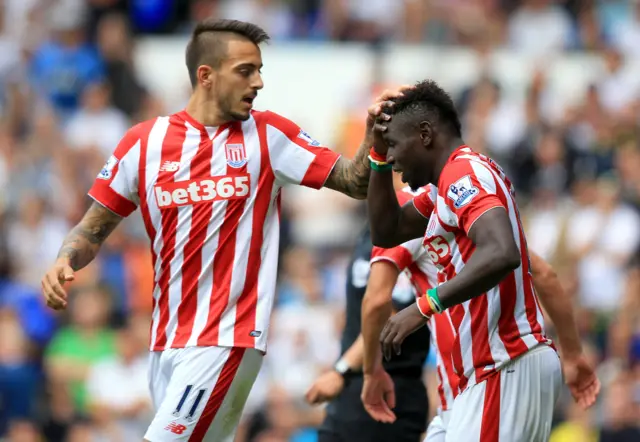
<point>204,74</point>
<point>426,134</point>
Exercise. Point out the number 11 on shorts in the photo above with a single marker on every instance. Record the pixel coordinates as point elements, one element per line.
<point>194,406</point>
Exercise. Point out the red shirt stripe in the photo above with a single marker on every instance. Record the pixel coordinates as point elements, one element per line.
<point>223,261</point>
<point>247,303</point>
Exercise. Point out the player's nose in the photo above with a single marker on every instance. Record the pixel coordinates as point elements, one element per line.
<point>257,83</point>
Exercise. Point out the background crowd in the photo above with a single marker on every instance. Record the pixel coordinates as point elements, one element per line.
<point>69,89</point>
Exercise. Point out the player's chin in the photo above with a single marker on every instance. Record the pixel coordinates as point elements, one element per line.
<point>241,115</point>
<point>415,181</point>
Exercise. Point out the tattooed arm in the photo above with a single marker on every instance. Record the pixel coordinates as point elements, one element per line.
<point>351,177</point>
<point>78,249</point>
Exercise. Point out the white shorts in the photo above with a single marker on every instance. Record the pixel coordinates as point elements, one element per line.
<point>437,429</point>
<point>199,392</point>
<point>514,405</point>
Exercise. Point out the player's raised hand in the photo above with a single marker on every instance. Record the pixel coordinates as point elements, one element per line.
<point>376,114</point>
<point>53,282</point>
<point>398,327</point>
<point>582,380</point>
<point>378,396</point>
<point>325,388</point>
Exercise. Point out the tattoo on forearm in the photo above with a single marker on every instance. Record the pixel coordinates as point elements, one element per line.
<point>83,242</point>
<point>351,177</point>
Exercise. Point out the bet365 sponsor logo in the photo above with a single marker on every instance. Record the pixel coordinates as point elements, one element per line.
<point>198,191</point>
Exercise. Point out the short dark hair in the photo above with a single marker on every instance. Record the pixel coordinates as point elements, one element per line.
<point>429,100</point>
<point>205,46</point>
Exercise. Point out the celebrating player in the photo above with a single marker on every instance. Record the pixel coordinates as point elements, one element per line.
<point>379,393</point>
<point>508,374</point>
<point>207,181</point>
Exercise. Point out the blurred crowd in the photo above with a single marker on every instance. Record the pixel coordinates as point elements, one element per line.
<point>69,91</point>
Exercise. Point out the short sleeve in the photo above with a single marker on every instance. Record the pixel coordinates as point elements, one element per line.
<point>423,199</point>
<point>469,190</point>
<point>401,256</point>
<point>406,253</point>
<point>116,186</point>
<point>423,204</point>
<point>296,158</point>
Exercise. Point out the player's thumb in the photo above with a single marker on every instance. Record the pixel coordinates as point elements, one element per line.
<point>67,273</point>
<point>312,395</point>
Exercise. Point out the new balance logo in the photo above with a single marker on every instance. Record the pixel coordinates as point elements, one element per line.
<point>170,166</point>
<point>175,428</point>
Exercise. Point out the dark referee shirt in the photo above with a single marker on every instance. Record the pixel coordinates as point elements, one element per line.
<point>415,347</point>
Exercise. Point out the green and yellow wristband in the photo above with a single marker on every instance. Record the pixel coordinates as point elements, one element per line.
<point>429,304</point>
<point>378,163</point>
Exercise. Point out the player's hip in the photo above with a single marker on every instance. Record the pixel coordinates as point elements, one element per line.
<point>515,404</point>
<point>485,367</point>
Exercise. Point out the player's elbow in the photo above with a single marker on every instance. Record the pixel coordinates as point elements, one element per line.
<point>374,302</point>
<point>384,238</point>
<point>509,257</point>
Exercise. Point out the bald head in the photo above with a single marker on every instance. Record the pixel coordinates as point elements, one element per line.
<point>210,40</point>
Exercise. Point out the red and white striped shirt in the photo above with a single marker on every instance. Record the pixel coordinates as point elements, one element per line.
<point>210,201</point>
<point>505,322</point>
<point>412,259</point>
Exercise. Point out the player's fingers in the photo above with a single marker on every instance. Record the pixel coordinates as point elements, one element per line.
<point>56,285</point>
<point>386,345</point>
<point>377,110</point>
<point>397,343</point>
<point>374,411</point>
<point>57,291</point>
<point>394,93</point>
<point>385,412</point>
<point>379,128</point>
<point>53,300</point>
<point>53,305</point>
<point>390,398</point>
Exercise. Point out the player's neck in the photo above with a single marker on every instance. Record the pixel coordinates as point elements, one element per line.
<point>445,153</point>
<point>205,110</point>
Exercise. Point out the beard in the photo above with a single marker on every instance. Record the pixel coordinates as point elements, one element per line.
<point>237,116</point>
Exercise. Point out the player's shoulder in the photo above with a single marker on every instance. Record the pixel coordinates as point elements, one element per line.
<point>407,194</point>
<point>280,122</point>
<point>457,167</point>
<point>143,128</point>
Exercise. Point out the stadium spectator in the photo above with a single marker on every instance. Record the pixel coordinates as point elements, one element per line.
<point>118,396</point>
<point>81,344</point>
<point>602,238</point>
<point>64,66</point>
<point>97,124</point>
<point>116,45</point>
<point>540,27</point>
<point>19,376</point>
